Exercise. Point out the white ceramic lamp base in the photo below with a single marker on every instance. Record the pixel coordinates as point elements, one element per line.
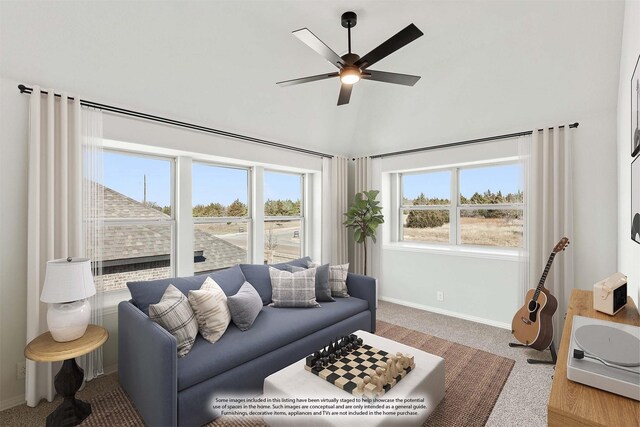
<point>68,321</point>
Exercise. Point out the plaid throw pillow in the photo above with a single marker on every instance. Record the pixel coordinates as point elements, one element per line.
<point>293,289</point>
<point>338,280</point>
<point>174,313</point>
<point>323,289</point>
<point>209,303</point>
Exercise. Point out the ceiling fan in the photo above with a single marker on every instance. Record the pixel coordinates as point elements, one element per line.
<point>352,67</point>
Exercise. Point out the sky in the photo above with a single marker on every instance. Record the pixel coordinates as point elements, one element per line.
<point>125,174</point>
<point>437,184</point>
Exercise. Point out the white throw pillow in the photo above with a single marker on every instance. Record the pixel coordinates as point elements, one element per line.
<point>174,313</point>
<point>210,306</point>
<point>338,280</point>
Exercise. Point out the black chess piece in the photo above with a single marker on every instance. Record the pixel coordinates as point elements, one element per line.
<point>325,361</point>
<point>332,357</point>
<point>318,365</point>
<point>310,361</point>
<point>360,341</point>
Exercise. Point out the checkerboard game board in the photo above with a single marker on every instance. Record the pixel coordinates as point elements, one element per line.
<point>347,372</point>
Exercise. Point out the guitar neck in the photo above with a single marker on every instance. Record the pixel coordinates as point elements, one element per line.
<point>544,276</point>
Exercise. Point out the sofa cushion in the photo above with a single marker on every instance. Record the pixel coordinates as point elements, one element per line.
<point>245,306</point>
<point>150,292</point>
<point>274,328</point>
<point>258,276</point>
<point>209,303</point>
<point>293,289</point>
<point>174,314</point>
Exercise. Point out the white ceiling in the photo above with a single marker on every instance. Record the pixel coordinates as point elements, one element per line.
<point>487,67</point>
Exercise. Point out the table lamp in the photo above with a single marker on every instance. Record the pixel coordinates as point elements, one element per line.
<point>67,285</point>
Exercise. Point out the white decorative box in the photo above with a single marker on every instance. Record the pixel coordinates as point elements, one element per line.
<point>610,294</point>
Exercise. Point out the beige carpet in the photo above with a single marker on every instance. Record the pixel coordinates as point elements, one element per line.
<point>473,382</point>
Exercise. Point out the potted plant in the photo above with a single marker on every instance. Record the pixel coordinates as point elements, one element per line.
<point>364,216</point>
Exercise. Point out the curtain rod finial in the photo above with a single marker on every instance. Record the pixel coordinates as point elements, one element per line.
<point>22,88</point>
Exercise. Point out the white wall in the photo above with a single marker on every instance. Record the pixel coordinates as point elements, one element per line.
<point>628,251</point>
<point>478,288</point>
<point>13,232</point>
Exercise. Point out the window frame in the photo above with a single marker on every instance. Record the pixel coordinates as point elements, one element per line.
<point>105,222</point>
<point>301,217</point>
<point>248,219</point>
<point>455,207</point>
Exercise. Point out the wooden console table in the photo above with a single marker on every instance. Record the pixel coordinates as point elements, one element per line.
<point>574,404</point>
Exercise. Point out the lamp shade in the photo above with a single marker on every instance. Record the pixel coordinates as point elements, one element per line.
<point>68,280</point>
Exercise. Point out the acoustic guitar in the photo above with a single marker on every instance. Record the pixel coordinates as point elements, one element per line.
<point>532,324</point>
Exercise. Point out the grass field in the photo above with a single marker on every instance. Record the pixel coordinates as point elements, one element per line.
<point>473,231</point>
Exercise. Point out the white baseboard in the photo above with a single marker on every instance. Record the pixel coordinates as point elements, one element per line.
<point>19,399</point>
<point>447,313</point>
<point>12,401</point>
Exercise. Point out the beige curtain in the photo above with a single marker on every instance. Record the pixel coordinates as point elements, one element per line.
<point>60,198</point>
<point>362,183</point>
<point>335,180</point>
<point>550,209</point>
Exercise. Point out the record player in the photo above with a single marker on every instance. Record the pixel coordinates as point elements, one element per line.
<point>605,355</point>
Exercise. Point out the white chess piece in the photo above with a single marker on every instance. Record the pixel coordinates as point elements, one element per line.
<point>382,374</point>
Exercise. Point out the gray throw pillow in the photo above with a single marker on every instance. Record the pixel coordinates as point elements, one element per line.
<point>323,289</point>
<point>338,280</point>
<point>245,306</point>
<point>174,313</point>
<point>293,289</point>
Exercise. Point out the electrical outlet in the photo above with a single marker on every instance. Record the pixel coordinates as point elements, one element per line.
<point>440,296</point>
<point>21,370</point>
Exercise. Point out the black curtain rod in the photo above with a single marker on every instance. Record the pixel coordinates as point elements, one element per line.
<point>124,112</point>
<point>457,144</point>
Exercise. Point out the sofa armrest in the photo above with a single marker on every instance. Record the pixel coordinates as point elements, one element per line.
<point>364,287</point>
<point>147,366</point>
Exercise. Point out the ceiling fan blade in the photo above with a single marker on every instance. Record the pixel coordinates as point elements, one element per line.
<point>403,38</point>
<point>307,79</point>
<point>383,76</point>
<point>345,94</point>
<point>311,40</point>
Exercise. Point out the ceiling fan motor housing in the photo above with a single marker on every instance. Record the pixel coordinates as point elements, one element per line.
<point>349,19</point>
<point>350,58</point>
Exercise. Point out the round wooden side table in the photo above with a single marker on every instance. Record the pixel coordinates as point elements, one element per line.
<point>68,380</point>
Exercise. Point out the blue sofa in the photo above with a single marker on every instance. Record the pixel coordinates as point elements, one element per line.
<point>168,390</point>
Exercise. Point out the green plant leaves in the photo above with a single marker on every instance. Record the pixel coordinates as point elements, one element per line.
<point>364,215</point>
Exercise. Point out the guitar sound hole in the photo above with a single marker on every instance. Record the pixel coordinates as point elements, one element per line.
<point>533,306</point>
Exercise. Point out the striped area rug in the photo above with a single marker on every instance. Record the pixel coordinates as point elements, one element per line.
<point>473,378</point>
<point>473,382</point>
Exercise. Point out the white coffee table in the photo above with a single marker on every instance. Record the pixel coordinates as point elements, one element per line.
<point>425,381</point>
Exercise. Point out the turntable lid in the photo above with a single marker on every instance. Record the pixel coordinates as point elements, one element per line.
<point>609,344</point>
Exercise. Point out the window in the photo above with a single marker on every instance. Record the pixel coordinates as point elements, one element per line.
<point>138,230</point>
<point>425,206</point>
<point>481,206</point>
<point>283,216</point>
<point>221,216</point>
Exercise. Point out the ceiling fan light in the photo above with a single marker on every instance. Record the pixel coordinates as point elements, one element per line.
<point>350,76</point>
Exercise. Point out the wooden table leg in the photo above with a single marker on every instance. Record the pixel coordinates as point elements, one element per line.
<point>71,411</point>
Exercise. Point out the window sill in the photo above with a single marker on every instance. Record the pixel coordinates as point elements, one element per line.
<point>462,251</point>
<point>111,299</point>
